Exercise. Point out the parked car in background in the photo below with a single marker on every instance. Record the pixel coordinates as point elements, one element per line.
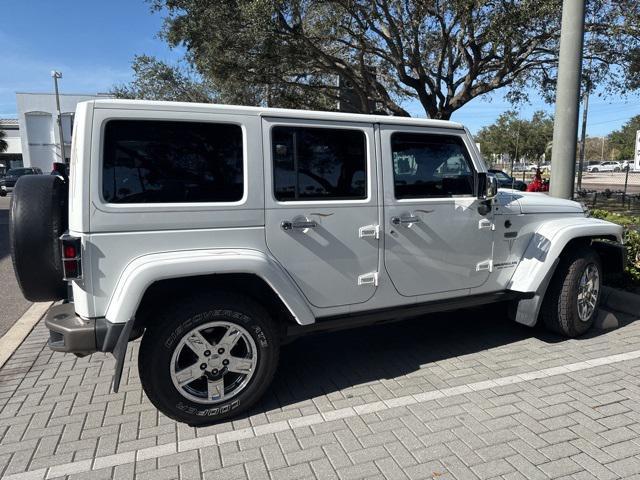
<point>506,181</point>
<point>9,180</point>
<point>605,167</point>
<point>544,167</point>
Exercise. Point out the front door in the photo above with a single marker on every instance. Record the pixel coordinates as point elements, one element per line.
<point>436,240</point>
<point>322,212</point>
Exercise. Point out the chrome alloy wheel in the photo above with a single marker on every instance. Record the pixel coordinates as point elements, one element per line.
<point>588,291</point>
<point>214,362</point>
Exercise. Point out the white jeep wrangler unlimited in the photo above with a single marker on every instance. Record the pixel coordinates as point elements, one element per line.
<point>217,232</point>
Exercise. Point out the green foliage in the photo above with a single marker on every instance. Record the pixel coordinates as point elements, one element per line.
<point>156,80</point>
<point>3,143</point>
<point>623,141</point>
<point>515,137</point>
<point>631,242</point>
<point>441,54</point>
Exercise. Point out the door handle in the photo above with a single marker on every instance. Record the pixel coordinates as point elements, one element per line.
<point>288,225</point>
<point>405,220</point>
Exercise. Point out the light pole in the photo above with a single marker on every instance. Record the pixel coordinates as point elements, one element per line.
<point>56,75</point>
<point>565,128</point>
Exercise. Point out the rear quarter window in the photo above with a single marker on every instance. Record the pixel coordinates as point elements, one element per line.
<point>148,161</point>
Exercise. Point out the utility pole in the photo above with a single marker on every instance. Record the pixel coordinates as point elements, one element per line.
<point>565,127</point>
<point>583,135</point>
<point>602,152</point>
<point>56,75</point>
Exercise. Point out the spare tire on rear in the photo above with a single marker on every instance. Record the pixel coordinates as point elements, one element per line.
<point>38,217</point>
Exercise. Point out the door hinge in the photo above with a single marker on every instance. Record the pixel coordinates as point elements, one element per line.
<point>485,265</point>
<point>486,224</point>
<point>372,231</point>
<point>368,279</point>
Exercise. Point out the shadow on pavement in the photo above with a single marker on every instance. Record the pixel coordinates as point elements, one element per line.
<point>324,363</point>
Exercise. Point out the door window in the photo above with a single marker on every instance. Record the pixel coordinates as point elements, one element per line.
<point>319,163</point>
<point>426,165</point>
<point>172,162</point>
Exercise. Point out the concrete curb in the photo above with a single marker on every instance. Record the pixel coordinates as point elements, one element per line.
<point>620,301</point>
<point>14,337</point>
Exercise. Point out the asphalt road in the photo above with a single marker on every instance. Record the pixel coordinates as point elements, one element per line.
<point>12,303</point>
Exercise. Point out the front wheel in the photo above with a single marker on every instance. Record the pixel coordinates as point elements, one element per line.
<point>571,303</point>
<point>208,359</point>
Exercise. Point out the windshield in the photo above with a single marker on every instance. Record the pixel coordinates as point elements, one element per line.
<point>17,172</point>
<point>502,176</point>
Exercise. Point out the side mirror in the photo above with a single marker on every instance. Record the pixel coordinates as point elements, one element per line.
<point>492,187</point>
<point>487,186</point>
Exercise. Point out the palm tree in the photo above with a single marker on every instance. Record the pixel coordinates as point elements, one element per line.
<point>3,143</point>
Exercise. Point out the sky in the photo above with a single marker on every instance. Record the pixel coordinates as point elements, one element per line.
<point>93,42</point>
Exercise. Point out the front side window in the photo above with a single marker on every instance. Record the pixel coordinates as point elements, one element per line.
<point>172,162</point>
<point>319,163</point>
<point>427,165</point>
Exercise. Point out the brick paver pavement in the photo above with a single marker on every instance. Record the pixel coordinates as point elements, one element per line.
<point>464,395</point>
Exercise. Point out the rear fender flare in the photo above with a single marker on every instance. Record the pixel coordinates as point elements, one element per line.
<point>143,271</point>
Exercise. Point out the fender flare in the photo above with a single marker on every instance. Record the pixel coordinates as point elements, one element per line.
<point>143,271</point>
<point>538,264</point>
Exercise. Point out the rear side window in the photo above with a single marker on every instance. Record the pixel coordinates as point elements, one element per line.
<point>172,162</point>
<point>319,163</point>
<point>426,166</point>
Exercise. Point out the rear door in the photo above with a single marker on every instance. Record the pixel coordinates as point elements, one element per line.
<point>321,200</point>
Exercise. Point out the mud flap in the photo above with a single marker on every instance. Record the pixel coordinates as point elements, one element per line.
<point>119,352</point>
<point>526,311</point>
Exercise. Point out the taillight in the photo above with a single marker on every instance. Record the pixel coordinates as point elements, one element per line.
<point>71,257</point>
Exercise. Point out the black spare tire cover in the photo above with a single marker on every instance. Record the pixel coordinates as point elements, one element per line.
<point>37,218</point>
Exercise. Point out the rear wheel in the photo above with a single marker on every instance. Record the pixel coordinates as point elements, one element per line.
<point>572,298</point>
<point>209,359</point>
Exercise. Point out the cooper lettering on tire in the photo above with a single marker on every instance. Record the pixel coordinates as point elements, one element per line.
<point>208,358</point>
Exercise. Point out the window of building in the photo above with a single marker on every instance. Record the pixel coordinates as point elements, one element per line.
<point>426,165</point>
<point>172,162</point>
<point>319,163</point>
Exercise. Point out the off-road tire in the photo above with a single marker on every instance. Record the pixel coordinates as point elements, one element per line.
<point>162,337</point>
<point>37,219</point>
<point>560,305</point>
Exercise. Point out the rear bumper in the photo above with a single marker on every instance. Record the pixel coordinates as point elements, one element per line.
<point>71,333</point>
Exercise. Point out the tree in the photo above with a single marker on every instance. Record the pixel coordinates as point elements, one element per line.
<point>516,138</point>
<point>597,149</point>
<point>156,80</point>
<point>623,141</point>
<point>441,53</point>
<point>3,143</point>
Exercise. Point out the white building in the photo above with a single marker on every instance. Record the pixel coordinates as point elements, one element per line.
<point>37,115</point>
<point>12,156</point>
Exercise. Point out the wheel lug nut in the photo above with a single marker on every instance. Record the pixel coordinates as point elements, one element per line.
<point>221,351</point>
<point>225,362</point>
<point>207,353</point>
<point>214,371</point>
<point>203,366</point>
